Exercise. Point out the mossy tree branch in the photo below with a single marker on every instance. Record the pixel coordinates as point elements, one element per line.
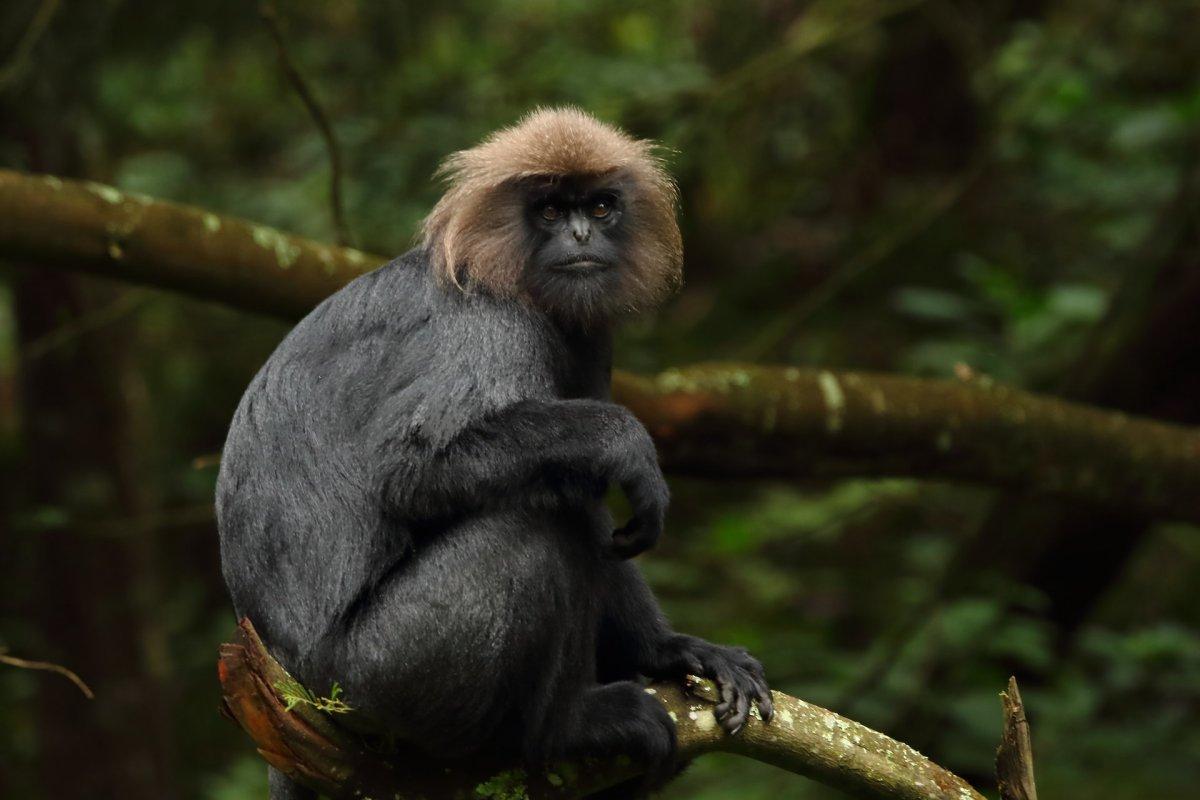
<point>803,738</point>
<point>719,420</point>
<point>716,420</point>
<point>94,228</point>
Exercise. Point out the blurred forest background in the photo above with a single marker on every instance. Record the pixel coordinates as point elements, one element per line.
<point>890,185</point>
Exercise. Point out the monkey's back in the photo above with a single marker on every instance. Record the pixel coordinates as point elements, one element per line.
<point>390,360</point>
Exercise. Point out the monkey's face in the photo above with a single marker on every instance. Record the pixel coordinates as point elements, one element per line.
<point>562,211</point>
<point>579,235</point>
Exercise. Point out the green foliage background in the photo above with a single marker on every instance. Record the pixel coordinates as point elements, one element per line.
<point>875,184</point>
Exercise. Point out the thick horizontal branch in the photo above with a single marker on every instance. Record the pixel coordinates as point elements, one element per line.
<point>720,421</point>
<point>803,738</point>
<point>98,229</point>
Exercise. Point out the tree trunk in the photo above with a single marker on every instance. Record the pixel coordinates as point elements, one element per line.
<point>88,592</point>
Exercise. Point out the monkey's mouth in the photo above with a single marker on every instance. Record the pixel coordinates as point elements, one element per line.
<point>582,264</point>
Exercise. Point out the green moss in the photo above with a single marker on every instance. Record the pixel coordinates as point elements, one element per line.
<point>294,694</point>
<point>507,785</point>
<point>285,251</point>
<point>568,772</point>
<point>835,400</point>
<point>107,193</point>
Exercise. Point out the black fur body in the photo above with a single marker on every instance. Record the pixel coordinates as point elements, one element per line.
<point>411,504</point>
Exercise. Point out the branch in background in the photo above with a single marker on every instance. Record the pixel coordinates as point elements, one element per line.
<point>46,666</point>
<point>18,62</point>
<point>821,24</point>
<point>270,16</point>
<point>125,304</point>
<point>717,420</point>
<point>733,420</point>
<point>803,739</point>
<point>1014,758</point>
<point>94,228</point>
<point>792,321</point>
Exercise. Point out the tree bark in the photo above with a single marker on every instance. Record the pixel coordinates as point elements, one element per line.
<point>1014,757</point>
<point>718,420</point>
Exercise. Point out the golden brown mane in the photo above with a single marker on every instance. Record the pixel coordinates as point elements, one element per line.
<point>476,234</point>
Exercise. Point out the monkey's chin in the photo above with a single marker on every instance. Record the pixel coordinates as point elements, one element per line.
<point>583,296</point>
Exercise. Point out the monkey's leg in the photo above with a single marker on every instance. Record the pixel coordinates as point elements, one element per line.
<point>466,634</point>
<point>284,788</point>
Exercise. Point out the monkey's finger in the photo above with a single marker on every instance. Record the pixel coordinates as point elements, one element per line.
<point>734,722</point>
<point>728,697</point>
<point>758,681</point>
<point>751,665</point>
<point>762,699</point>
<point>693,665</point>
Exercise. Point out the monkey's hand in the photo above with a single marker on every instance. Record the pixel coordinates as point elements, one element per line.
<point>738,675</point>
<point>633,464</point>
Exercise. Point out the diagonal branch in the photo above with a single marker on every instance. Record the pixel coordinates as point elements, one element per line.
<point>714,420</point>
<point>803,738</point>
<point>337,210</point>
<point>18,63</point>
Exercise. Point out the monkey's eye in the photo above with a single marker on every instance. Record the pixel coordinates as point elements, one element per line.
<point>550,212</point>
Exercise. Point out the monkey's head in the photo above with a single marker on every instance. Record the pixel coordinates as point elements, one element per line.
<point>562,211</point>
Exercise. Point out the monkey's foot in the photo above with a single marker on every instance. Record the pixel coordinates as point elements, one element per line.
<point>738,675</point>
<point>617,719</point>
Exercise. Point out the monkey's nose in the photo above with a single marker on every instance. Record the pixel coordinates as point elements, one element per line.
<point>581,230</point>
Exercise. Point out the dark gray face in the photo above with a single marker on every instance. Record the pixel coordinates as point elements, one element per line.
<point>579,235</point>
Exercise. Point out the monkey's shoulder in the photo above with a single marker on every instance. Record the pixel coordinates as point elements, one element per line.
<point>405,303</point>
<point>472,354</point>
<point>397,350</point>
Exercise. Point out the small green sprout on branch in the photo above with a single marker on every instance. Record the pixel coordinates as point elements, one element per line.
<point>294,694</point>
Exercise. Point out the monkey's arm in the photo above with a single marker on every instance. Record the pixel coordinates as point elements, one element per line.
<point>569,448</point>
<point>636,639</point>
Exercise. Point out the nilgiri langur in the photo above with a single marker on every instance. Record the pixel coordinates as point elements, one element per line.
<point>411,500</point>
